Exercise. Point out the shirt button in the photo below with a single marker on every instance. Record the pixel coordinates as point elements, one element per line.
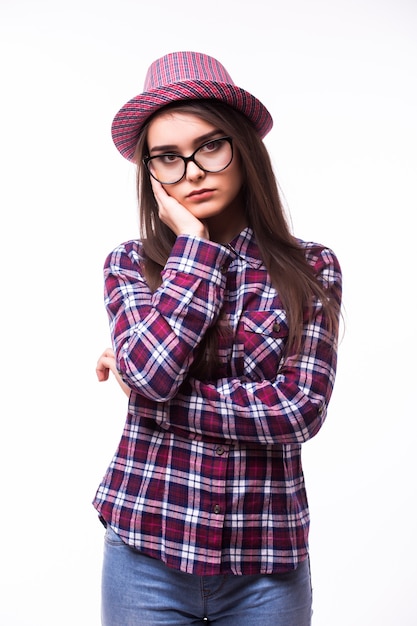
<point>276,327</point>
<point>217,508</point>
<point>223,269</point>
<point>219,450</point>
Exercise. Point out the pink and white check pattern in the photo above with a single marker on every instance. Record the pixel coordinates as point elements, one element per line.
<point>178,67</point>
<point>208,475</point>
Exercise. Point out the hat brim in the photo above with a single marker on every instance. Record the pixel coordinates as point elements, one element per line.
<point>129,121</point>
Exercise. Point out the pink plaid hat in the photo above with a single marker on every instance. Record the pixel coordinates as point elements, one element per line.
<point>183,76</point>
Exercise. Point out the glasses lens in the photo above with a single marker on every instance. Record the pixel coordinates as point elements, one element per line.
<point>167,168</point>
<point>215,155</point>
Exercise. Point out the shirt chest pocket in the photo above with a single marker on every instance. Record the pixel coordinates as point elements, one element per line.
<point>264,336</point>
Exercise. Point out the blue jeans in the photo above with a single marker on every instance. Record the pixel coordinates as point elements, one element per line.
<point>141,591</point>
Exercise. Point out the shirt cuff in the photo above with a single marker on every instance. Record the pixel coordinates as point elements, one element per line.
<point>201,257</point>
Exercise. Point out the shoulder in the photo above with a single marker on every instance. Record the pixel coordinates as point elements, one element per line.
<point>317,253</point>
<point>323,261</point>
<point>125,254</point>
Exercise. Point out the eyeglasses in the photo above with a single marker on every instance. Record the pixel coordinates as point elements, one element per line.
<point>212,157</point>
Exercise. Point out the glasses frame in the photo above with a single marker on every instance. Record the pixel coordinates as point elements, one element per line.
<point>147,159</point>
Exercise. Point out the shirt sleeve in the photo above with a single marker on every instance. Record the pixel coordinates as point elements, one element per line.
<point>155,335</point>
<point>287,410</point>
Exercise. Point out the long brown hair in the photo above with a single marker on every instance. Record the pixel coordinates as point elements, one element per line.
<point>281,252</point>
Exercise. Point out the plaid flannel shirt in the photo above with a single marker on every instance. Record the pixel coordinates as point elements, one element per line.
<point>207,476</point>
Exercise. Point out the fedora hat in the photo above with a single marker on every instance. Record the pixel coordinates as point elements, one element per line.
<point>183,76</point>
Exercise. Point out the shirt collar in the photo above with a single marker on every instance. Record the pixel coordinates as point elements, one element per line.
<point>245,247</point>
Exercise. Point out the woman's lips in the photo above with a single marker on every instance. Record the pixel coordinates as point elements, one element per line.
<point>201,194</point>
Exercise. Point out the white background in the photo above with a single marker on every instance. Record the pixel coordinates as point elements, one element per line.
<point>339,77</point>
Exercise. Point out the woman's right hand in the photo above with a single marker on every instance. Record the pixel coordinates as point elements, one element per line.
<point>175,215</point>
<point>107,363</point>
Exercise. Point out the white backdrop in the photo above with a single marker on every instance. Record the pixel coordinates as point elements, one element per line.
<point>339,77</point>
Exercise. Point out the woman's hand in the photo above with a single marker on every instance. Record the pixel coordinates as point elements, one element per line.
<point>107,363</point>
<point>175,215</point>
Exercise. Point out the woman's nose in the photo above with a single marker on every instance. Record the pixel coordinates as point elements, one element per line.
<point>192,171</point>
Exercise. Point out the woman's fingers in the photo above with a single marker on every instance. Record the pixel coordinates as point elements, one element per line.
<point>107,363</point>
<point>175,215</point>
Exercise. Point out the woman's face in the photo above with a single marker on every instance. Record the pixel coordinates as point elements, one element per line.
<point>212,197</point>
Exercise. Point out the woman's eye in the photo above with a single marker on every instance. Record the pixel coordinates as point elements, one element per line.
<point>169,158</point>
<point>211,146</point>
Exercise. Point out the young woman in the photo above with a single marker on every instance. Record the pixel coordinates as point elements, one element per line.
<point>224,329</point>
